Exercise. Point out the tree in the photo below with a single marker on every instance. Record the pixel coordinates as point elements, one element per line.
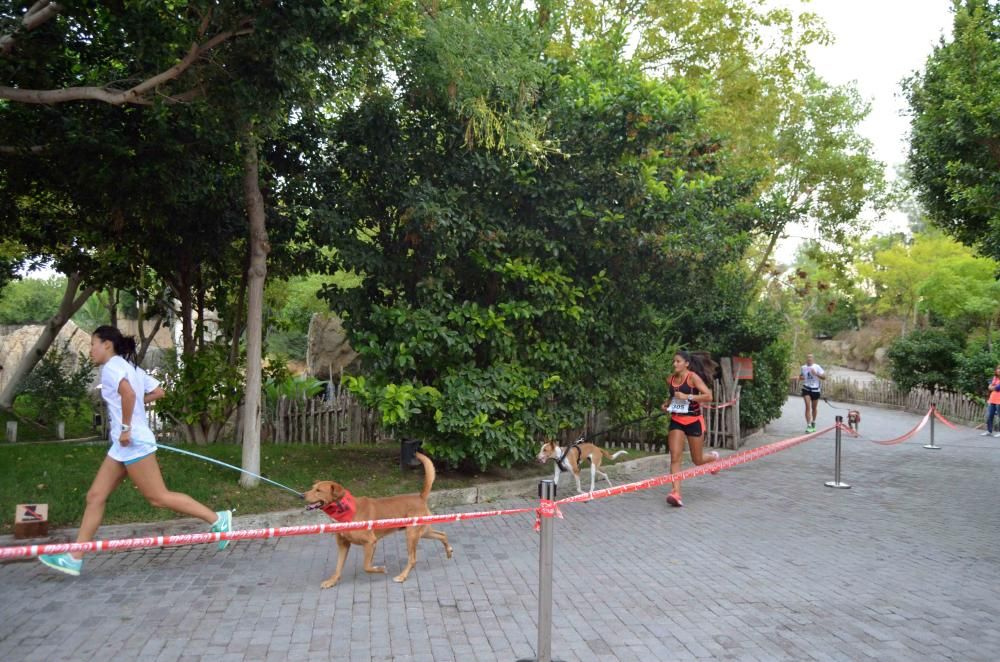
<point>926,358</point>
<point>797,134</point>
<point>900,272</point>
<point>504,292</point>
<point>954,158</point>
<point>253,65</point>
<point>30,300</point>
<point>964,288</point>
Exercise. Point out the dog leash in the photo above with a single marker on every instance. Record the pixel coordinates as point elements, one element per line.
<point>833,406</point>
<point>223,464</point>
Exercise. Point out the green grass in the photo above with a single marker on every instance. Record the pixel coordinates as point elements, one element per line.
<point>59,475</point>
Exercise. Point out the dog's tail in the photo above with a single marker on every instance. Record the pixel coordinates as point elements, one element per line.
<point>429,475</point>
<point>605,453</point>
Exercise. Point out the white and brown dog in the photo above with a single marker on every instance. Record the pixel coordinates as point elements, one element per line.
<point>570,459</point>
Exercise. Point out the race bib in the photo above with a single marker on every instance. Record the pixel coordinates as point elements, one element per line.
<point>678,406</point>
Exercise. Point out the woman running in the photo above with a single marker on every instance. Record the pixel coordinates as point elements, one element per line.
<point>687,391</point>
<point>132,452</point>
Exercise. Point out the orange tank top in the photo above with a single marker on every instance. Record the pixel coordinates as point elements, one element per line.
<point>694,408</point>
<point>994,393</point>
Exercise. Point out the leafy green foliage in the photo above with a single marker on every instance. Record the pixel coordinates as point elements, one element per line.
<point>501,297</point>
<point>954,158</point>
<point>30,300</point>
<point>974,372</point>
<point>204,387</point>
<point>62,388</point>
<point>925,358</point>
<point>292,387</point>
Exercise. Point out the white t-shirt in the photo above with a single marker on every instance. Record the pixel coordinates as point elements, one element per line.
<point>112,374</point>
<point>810,376</point>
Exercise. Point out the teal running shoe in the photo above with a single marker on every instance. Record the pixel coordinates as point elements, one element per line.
<point>223,525</point>
<point>62,563</point>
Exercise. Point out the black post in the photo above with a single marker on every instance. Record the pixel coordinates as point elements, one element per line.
<point>408,454</point>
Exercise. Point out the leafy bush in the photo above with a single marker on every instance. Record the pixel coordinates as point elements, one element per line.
<point>974,372</point>
<point>203,390</point>
<point>293,387</point>
<point>925,358</point>
<point>61,388</point>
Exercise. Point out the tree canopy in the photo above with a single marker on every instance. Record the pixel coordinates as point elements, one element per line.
<point>954,158</point>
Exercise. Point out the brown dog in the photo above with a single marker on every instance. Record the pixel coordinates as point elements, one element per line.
<point>571,458</point>
<point>853,419</point>
<point>334,500</point>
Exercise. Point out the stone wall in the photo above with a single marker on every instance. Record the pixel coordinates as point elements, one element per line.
<point>865,349</point>
<point>15,341</point>
<point>329,353</point>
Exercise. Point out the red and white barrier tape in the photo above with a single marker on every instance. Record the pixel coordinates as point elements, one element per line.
<point>27,551</point>
<point>742,457</point>
<point>546,508</point>
<point>944,420</point>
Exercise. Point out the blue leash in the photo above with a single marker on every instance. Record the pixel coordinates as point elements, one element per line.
<point>223,464</point>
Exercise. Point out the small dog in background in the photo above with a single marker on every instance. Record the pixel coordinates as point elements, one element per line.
<point>571,458</point>
<point>853,419</point>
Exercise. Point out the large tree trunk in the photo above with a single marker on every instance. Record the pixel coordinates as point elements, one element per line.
<point>73,299</point>
<point>256,274</point>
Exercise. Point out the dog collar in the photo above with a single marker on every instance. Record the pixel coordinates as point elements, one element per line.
<point>343,509</point>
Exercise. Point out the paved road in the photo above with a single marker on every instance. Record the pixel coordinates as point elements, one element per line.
<point>763,563</point>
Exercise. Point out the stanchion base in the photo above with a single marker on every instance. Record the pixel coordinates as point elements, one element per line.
<point>932,447</point>
<point>833,483</point>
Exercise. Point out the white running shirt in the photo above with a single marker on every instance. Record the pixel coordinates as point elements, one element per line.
<point>112,374</point>
<point>810,378</point>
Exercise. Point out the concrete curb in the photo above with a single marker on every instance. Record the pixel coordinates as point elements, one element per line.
<point>439,500</point>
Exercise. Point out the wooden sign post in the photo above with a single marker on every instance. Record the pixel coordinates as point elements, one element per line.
<point>31,520</point>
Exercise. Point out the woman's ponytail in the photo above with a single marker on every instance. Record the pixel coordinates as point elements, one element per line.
<point>125,346</point>
<point>698,365</point>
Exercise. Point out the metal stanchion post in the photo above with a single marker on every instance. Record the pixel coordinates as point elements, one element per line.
<point>547,491</point>
<point>931,445</point>
<point>836,459</point>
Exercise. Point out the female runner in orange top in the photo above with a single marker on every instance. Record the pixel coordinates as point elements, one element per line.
<point>993,404</point>
<point>687,391</point>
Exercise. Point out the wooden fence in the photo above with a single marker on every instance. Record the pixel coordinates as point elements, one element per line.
<point>339,419</point>
<point>885,393</point>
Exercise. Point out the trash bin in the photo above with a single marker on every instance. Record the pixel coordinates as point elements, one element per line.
<point>408,454</point>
